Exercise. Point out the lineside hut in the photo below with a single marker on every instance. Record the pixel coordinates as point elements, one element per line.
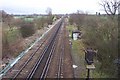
<point>76,34</point>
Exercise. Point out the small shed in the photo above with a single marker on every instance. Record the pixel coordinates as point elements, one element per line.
<point>76,34</point>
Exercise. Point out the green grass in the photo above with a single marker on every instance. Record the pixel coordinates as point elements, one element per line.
<point>78,55</point>
<point>70,28</point>
<point>78,47</point>
<point>13,35</point>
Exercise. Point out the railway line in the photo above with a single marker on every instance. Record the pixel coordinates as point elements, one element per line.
<point>57,59</point>
<point>40,61</point>
<point>60,58</point>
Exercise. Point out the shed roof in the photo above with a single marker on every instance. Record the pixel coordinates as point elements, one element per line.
<point>76,31</point>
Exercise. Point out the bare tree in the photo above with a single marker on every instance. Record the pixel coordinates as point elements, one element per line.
<point>49,11</point>
<point>77,19</point>
<point>8,19</point>
<point>50,16</point>
<point>110,6</point>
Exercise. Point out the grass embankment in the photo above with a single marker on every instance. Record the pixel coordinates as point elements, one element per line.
<point>10,42</point>
<point>78,56</point>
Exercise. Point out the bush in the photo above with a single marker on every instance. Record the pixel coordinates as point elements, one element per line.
<point>39,23</point>
<point>27,29</point>
<point>102,34</point>
<point>50,19</point>
<point>5,44</point>
<point>77,19</point>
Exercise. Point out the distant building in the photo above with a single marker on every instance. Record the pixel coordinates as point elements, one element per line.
<point>76,34</point>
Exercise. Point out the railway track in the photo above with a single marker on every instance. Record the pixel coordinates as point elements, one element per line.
<point>61,57</point>
<point>42,64</point>
<point>58,62</point>
<point>19,72</point>
<point>44,58</point>
<point>30,60</point>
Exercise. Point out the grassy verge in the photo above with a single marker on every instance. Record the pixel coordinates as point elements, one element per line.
<point>78,56</point>
<point>79,59</point>
<point>70,28</point>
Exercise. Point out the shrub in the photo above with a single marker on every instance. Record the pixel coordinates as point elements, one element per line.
<point>102,34</point>
<point>77,19</point>
<point>39,23</point>
<point>27,29</point>
<point>5,44</point>
<point>50,19</point>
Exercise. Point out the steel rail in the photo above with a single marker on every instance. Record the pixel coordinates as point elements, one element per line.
<point>47,64</point>
<point>46,68</point>
<point>37,63</point>
<point>29,59</point>
<point>11,64</point>
<point>43,53</point>
<point>60,63</point>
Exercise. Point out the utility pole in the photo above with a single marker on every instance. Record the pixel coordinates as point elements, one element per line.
<point>89,67</point>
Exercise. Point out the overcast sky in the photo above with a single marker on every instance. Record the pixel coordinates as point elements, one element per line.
<point>57,6</point>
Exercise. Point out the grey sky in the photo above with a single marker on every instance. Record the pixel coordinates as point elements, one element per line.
<point>57,6</point>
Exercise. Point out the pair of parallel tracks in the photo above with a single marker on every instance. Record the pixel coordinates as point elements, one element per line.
<point>40,68</point>
<point>61,57</point>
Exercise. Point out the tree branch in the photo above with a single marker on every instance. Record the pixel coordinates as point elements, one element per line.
<point>110,7</point>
